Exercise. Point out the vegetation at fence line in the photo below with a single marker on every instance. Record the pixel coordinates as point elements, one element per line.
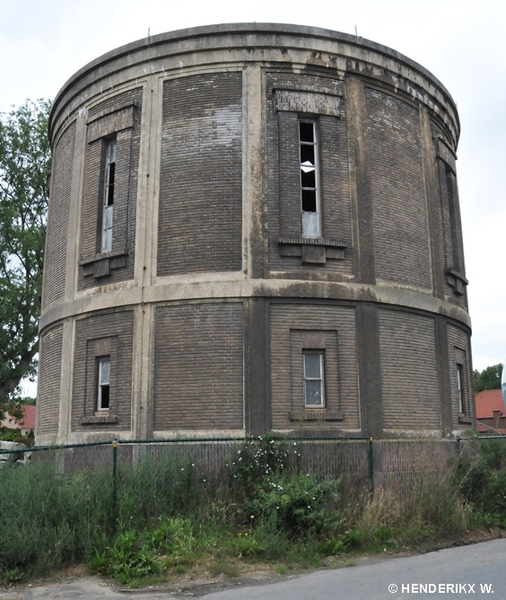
<point>482,480</point>
<point>261,506</point>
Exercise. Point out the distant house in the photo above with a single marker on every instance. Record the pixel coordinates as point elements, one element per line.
<point>26,424</point>
<point>491,412</point>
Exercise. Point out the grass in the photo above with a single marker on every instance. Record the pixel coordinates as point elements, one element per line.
<point>170,518</point>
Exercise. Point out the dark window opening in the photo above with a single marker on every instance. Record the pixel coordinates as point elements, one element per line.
<point>460,388</point>
<point>309,203</point>
<point>109,199</point>
<point>450,188</point>
<point>104,383</point>
<point>109,181</point>
<point>309,179</point>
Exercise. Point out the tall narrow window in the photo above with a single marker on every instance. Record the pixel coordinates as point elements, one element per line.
<point>104,383</point>
<point>460,388</point>
<point>314,393</point>
<point>110,169</point>
<point>454,218</point>
<point>309,179</point>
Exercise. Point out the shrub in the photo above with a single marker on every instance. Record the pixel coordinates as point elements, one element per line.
<point>295,504</point>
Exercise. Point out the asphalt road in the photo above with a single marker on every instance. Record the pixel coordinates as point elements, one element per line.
<point>477,571</point>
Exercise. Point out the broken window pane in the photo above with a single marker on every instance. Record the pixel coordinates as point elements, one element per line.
<point>309,200</point>
<point>109,181</point>
<point>109,200</point>
<point>307,155</point>
<point>460,390</point>
<point>306,129</point>
<point>309,180</point>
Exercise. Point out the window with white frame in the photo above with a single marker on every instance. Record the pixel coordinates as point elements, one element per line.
<point>314,388</point>
<point>108,201</point>
<point>104,383</point>
<point>460,388</point>
<point>310,202</point>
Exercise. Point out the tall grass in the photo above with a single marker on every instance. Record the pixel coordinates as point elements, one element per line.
<point>48,521</point>
<point>260,506</point>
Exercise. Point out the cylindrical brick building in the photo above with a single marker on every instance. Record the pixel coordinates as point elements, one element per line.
<point>252,228</point>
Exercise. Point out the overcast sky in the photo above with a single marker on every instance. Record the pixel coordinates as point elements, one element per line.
<point>463,43</point>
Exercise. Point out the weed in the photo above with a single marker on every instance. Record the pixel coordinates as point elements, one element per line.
<point>225,567</point>
<point>261,507</point>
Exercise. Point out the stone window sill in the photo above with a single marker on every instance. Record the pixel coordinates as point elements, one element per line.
<point>457,281</point>
<point>312,250</point>
<point>465,419</point>
<point>101,265</point>
<point>99,419</point>
<point>314,415</point>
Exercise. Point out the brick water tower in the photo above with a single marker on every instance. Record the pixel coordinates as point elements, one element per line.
<point>253,227</point>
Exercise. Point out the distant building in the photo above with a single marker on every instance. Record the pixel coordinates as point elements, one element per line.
<point>26,424</point>
<point>252,228</point>
<point>490,412</point>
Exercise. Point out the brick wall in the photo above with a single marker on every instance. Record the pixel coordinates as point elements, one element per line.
<point>409,371</point>
<point>283,177</point>
<point>58,218</point>
<point>459,349</point>
<point>400,465</point>
<point>103,121</point>
<point>198,367</point>
<point>200,214</point>
<point>48,394</point>
<point>288,321</point>
<point>114,330</point>
<point>450,223</point>
<point>398,191</point>
<point>397,465</point>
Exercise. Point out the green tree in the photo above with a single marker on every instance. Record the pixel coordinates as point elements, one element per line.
<point>24,172</point>
<point>488,379</point>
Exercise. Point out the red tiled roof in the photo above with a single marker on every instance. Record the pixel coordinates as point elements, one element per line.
<point>30,415</point>
<point>28,422</point>
<point>488,401</point>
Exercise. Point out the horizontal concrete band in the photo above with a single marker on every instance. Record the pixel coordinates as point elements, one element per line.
<point>184,289</point>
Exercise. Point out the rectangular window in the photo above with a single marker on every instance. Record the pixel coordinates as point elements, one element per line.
<point>104,383</point>
<point>454,217</point>
<point>108,202</point>
<point>314,392</point>
<point>309,179</point>
<point>460,388</point>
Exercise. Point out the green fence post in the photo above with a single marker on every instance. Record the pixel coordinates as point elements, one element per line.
<point>114,483</point>
<point>371,464</point>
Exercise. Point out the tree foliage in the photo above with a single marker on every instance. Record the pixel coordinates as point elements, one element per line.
<point>488,379</point>
<point>24,171</point>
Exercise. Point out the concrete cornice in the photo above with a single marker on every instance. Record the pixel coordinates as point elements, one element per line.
<point>163,53</point>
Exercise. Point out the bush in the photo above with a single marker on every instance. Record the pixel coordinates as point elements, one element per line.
<point>170,515</point>
<point>482,480</point>
<point>295,504</point>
